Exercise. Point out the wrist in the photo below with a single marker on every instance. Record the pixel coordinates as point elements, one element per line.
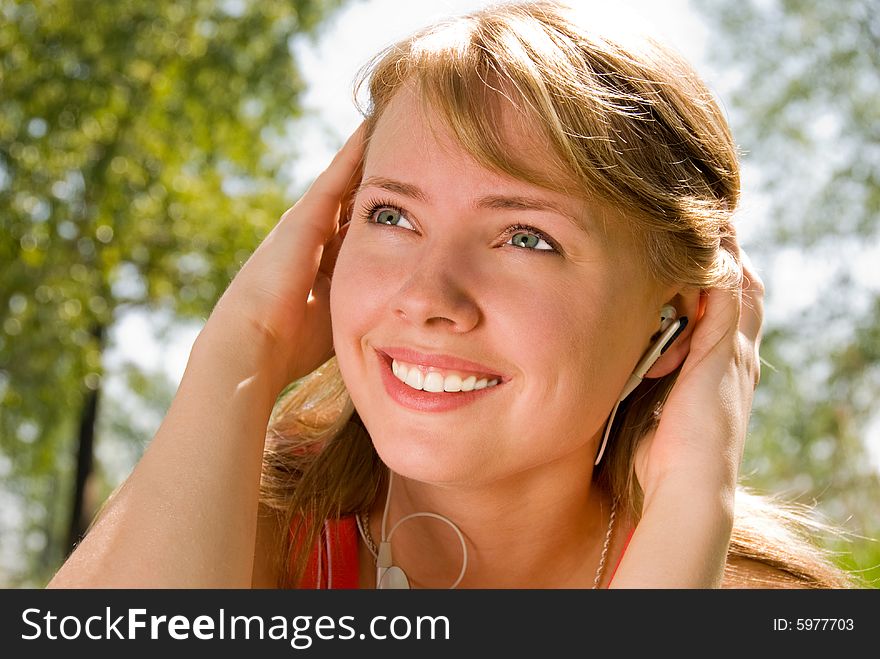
<point>247,358</point>
<point>701,500</point>
<point>681,541</point>
<point>705,478</point>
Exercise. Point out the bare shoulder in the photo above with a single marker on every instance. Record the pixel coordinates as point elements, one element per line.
<point>267,562</point>
<point>743,572</point>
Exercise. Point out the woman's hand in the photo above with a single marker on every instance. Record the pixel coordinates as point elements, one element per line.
<point>699,440</point>
<point>688,467</point>
<point>279,302</point>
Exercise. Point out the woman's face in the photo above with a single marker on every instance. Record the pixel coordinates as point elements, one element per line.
<point>463,276</point>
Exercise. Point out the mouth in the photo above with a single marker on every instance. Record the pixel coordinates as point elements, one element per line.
<point>436,380</point>
<point>443,383</point>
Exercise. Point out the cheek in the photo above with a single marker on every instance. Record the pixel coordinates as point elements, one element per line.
<point>359,288</point>
<point>573,346</point>
<point>561,335</point>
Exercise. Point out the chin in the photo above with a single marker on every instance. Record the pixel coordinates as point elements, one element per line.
<point>426,459</point>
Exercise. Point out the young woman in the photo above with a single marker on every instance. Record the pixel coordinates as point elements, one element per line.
<point>542,356</point>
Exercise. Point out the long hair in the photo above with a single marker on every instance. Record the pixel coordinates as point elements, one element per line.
<point>631,125</point>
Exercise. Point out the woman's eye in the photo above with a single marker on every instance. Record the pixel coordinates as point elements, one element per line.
<point>391,216</point>
<point>529,240</point>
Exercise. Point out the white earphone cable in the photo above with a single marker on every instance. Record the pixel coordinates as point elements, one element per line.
<point>454,528</point>
<point>386,539</point>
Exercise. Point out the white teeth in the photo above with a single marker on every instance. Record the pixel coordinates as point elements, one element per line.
<point>435,381</point>
<point>452,383</point>
<point>414,378</point>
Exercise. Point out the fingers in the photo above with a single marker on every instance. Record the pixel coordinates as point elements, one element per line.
<point>752,314</point>
<point>719,319</point>
<point>732,317</point>
<point>334,185</point>
<point>293,250</point>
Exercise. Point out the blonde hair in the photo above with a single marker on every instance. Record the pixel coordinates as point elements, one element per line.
<point>631,125</point>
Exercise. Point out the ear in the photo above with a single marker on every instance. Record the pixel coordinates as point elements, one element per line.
<point>691,303</point>
<point>331,250</point>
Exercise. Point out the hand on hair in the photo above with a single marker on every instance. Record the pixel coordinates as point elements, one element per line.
<point>699,440</point>
<point>280,299</point>
<point>688,467</point>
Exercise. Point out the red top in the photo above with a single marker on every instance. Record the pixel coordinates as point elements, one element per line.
<point>334,563</point>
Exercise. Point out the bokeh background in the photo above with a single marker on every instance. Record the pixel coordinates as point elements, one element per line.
<point>147,147</point>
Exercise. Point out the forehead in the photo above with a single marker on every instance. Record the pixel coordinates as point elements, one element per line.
<point>410,132</point>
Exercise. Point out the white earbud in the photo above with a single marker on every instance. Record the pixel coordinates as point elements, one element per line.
<point>667,315</point>
<point>670,328</point>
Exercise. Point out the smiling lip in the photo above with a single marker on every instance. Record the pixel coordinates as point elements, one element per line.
<point>426,401</point>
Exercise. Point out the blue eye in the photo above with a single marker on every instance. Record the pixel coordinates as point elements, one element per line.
<point>391,216</point>
<point>530,239</point>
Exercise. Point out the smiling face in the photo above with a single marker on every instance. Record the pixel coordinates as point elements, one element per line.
<point>452,276</point>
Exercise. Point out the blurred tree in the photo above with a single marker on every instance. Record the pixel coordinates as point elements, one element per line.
<point>135,172</point>
<point>806,111</point>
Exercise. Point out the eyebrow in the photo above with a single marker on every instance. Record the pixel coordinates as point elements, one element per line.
<point>500,202</point>
<point>398,187</point>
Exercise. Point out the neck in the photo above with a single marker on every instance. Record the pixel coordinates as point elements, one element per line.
<point>538,530</point>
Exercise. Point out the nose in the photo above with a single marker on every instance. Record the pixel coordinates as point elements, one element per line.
<point>438,293</point>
